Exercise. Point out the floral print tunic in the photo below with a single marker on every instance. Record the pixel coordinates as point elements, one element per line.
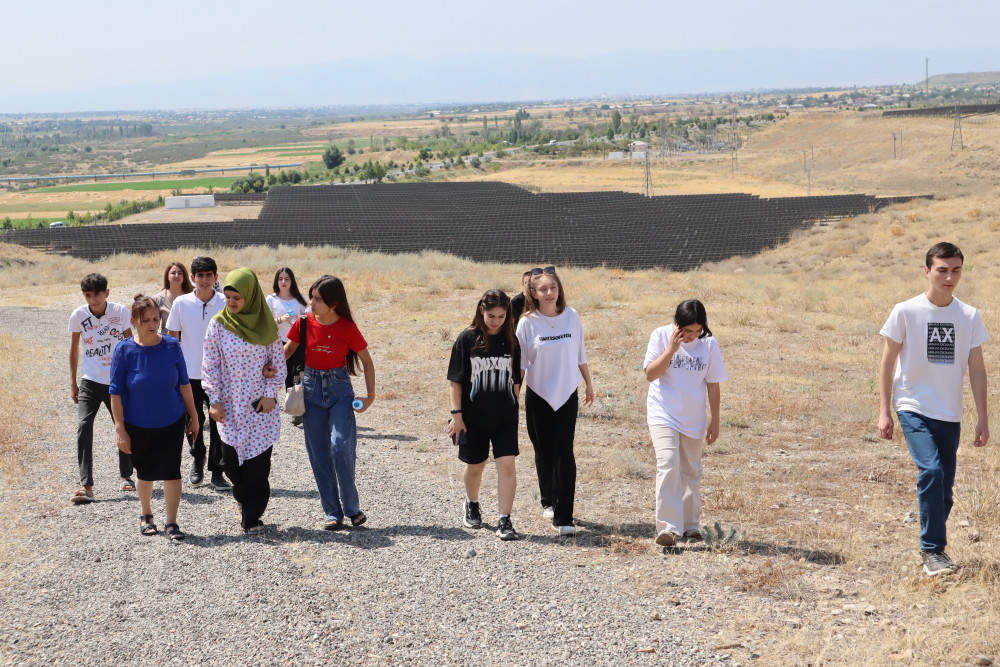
<point>231,374</point>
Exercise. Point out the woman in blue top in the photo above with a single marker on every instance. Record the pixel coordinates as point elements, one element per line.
<point>153,407</point>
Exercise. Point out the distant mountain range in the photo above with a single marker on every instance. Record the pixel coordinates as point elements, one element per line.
<point>472,77</point>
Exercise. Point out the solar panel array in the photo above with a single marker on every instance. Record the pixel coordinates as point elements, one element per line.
<point>963,110</point>
<point>494,222</point>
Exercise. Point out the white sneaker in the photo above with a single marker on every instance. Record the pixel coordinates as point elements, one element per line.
<point>548,513</point>
<point>666,539</point>
<point>565,531</point>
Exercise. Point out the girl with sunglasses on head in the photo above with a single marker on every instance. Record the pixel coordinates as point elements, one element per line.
<point>334,348</point>
<point>484,383</point>
<point>683,365</point>
<point>287,305</point>
<point>553,359</point>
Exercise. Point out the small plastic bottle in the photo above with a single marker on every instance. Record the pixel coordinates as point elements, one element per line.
<point>358,404</point>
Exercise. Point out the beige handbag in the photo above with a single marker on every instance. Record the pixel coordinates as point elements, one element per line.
<point>295,400</point>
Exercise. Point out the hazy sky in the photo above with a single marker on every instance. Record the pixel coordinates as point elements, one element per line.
<point>63,46</point>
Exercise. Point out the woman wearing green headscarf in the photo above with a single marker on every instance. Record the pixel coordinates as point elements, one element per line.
<point>240,340</point>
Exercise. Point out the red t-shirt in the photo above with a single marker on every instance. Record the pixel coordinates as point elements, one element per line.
<point>328,344</point>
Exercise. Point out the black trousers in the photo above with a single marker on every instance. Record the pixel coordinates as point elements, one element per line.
<point>196,445</point>
<point>251,487</point>
<point>92,395</point>
<point>551,433</point>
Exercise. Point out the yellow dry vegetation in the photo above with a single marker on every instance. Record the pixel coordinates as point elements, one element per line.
<point>797,465</point>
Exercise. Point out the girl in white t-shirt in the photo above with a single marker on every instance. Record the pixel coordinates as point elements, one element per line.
<point>683,364</point>
<point>550,335</point>
<point>286,304</point>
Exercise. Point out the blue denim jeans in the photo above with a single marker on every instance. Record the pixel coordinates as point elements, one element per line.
<point>933,445</point>
<point>331,439</point>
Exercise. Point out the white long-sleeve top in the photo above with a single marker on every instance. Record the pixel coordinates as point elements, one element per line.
<point>232,374</point>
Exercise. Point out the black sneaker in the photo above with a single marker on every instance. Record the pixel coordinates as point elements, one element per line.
<point>692,536</point>
<point>936,562</point>
<point>220,483</point>
<point>197,472</point>
<point>505,529</point>
<point>473,519</point>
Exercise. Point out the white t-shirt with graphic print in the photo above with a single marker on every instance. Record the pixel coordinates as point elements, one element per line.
<point>99,336</point>
<point>678,398</point>
<point>936,342</point>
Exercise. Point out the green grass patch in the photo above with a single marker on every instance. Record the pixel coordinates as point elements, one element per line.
<point>31,223</point>
<point>217,182</point>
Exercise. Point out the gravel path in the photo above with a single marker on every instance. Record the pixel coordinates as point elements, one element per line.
<point>413,587</point>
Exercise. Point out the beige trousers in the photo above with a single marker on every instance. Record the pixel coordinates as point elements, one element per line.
<point>678,479</point>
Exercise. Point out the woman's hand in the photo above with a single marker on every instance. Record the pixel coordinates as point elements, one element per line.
<point>268,371</point>
<point>192,426</point>
<point>713,432</point>
<point>366,403</point>
<point>588,394</point>
<point>455,426</point>
<point>123,440</point>
<point>267,404</point>
<point>675,341</point>
<point>217,412</point>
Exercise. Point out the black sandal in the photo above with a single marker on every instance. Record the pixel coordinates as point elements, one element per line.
<point>146,525</point>
<point>358,519</point>
<point>173,531</point>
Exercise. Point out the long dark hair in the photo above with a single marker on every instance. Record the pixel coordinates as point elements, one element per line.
<point>492,299</point>
<point>331,291</point>
<point>293,288</point>
<point>186,285</point>
<point>531,303</point>
<point>692,312</point>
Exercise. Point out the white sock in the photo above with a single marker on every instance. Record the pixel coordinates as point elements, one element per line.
<point>471,500</point>
<point>504,516</point>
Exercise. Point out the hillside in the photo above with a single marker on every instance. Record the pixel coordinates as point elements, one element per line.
<point>965,79</point>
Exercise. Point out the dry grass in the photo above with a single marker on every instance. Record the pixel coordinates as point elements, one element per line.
<point>797,465</point>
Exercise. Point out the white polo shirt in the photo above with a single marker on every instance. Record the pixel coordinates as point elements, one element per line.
<point>190,316</point>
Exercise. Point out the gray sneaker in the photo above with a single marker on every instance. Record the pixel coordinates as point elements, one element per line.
<point>936,562</point>
<point>505,529</point>
<point>473,518</point>
<point>548,512</point>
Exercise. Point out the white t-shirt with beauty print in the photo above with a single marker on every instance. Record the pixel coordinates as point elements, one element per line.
<point>677,399</point>
<point>551,354</point>
<point>936,342</point>
<point>99,337</point>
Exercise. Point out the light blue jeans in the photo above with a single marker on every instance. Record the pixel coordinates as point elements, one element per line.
<point>331,439</point>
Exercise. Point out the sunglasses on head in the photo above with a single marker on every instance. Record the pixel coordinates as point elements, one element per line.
<point>491,299</point>
<point>548,269</point>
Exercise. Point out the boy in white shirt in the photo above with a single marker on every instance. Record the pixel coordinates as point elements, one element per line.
<point>188,322</point>
<point>934,337</point>
<point>99,326</point>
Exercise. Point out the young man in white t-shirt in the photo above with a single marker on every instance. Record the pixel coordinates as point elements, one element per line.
<point>188,322</point>
<point>934,337</point>
<point>98,327</point>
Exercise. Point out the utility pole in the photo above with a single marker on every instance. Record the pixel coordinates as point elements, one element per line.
<point>927,76</point>
<point>649,180</point>
<point>957,131</point>
<point>893,145</point>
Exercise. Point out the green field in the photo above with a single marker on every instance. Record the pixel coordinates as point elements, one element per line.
<point>217,182</point>
<point>21,223</point>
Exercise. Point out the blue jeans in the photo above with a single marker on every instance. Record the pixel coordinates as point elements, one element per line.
<point>933,445</point>
<point>331,439</point>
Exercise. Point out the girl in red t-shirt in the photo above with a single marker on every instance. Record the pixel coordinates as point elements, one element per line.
<point>334,350</point>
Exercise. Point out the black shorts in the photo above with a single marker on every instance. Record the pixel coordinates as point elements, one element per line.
<point>156,452</point>
<point>502,433</point>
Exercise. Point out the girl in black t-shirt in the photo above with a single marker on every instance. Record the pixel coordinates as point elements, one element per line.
<point>485,379</point>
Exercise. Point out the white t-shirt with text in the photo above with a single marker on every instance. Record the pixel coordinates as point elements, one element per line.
<point>936,342</point>
<point>190,316</point>
<point>551,354</point>
<point>99,337</point>
<point>677,399</point>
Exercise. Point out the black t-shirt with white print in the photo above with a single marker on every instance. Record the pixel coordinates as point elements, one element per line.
<point>487,376</point>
